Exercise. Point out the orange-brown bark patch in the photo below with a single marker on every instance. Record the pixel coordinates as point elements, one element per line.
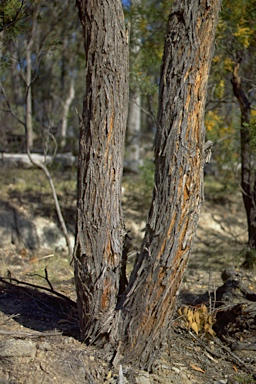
<point>109,128</point>
<point>167,236</point>
<point>105,295</point>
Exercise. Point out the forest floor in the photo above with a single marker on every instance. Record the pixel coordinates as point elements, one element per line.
<point>212,337</point>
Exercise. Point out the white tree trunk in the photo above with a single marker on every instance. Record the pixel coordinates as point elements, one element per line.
<point>132,153</point>
<point>28,80</point>
<point>132,158</point>
<point>66,107</point>
<point>29,122</point>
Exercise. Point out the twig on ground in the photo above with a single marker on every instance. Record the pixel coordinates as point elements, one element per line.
<point>233,356</point>
<point>230,355</point>
<point>43,277</point>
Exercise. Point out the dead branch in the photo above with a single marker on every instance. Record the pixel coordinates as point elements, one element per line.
<point>56,200</point>
<point>230,355</point>
<point>30,334</point>
<point>51,290</point>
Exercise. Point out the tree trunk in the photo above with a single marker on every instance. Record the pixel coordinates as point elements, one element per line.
<point>139,320</point>
<point>132,149</point>
<point>66,107</point>
<point>100,228</point>
<point>28,82</point>
<point>16,81</point>
<point>29,122</point>
<point>248,169</point>
<point>178,191</point>
<point>132,156</point>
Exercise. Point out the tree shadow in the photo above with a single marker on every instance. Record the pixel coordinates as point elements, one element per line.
<point>38,310</point>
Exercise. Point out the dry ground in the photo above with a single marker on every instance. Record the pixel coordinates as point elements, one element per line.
<point>39,333</point>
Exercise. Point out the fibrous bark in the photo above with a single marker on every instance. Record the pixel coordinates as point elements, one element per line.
<point>137,321</point>
<point>178,191</point>
<point>100,228</point>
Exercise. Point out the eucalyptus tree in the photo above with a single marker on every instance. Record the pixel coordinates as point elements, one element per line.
<point>134,319</point>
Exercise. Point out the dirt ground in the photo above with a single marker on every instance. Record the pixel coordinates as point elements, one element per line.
<point>39,333</point>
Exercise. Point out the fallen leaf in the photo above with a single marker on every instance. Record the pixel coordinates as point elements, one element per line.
<point>109,375</point>
<point>194,326</point>
<point>211,331</point>
<point>197,368</point>
<point>190,316</point>
<point>63,321</point>
<point>197,318</point>
<point>185,310</point>
<point>204,309</point>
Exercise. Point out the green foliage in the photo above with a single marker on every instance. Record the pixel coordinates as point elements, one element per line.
<point>250,379</point>
<point>235,39</point>
<point>147,171</point>
<point>252,129</point>
<point>147,19</point>
<point>250,258</point>
<point>140,186</point>
<point>12,14</point>
<point>235,42</point>
<point>237,27</point>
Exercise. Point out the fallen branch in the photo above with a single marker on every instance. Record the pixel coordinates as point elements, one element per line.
<point>30,334</point>
<point>51,290</point>
<point>56,200</point>
<point>43,277</point>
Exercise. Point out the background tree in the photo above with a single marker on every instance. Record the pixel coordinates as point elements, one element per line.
<point>147,23</point>
<point>248,166</point>
<point>40,73</point>
<point>137,328</point>
<point>133,133</point>
<point>231,113</point>
<point>28,53</point>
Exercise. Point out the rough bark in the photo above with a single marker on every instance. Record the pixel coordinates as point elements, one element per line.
<point>178,192</point>
<point>248,166</point>
<point>138,321</point>
<point>99,235</point>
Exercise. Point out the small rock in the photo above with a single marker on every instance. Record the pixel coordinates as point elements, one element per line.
<point>44,346</point>
<point>17,348</point>
<point>143,377</point>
